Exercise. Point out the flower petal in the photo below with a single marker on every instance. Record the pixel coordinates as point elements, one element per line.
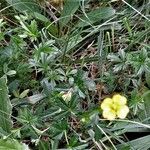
<point>120,100</point>
<point>122,112</point>
<point>109,114</point>
<point>106,104</point>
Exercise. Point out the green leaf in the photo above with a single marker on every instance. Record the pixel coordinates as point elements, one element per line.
<point>140,143</point>
<point>49,25</point>
<point>90,84</point>
<point>35,98</point>
<point>128,127</point>
<point>96,16</point>
<point>5,107</point>
<point>70,7</point>
<point>41,17</point>
<point>12,144</point>
<point>11,73</point>
<point>24,5</point>
<point>146,111</point>
<point>24,93</point>
<point>147,77</point>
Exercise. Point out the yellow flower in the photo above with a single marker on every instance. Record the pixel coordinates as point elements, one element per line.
<point>115,107</point>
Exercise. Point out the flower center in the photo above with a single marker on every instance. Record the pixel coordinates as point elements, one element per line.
<point>114,107</point>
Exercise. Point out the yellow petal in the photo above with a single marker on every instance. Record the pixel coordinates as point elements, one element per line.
<point>122,112</point>
<point>106,104</point>
<point>120,100</point>
<point>109,114</point>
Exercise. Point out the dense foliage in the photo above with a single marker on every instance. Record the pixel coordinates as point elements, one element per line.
<point>61,61</point>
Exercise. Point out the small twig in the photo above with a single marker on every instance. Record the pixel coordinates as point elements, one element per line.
<point>51,13</point>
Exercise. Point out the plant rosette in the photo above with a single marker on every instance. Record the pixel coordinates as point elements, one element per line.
<point>115,107</point>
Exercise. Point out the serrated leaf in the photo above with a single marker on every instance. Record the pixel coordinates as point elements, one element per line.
<point>5,107</point>
<point>72,72</point>
<point>113,58</point>
<point>118,67</point>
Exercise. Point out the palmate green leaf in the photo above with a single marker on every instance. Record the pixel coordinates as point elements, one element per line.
<point>49,25</point>
<point>142,143</point>
<point>24,5</point>
<point>5,107</point>
<point>96,16</point>
<point>11,144</point>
